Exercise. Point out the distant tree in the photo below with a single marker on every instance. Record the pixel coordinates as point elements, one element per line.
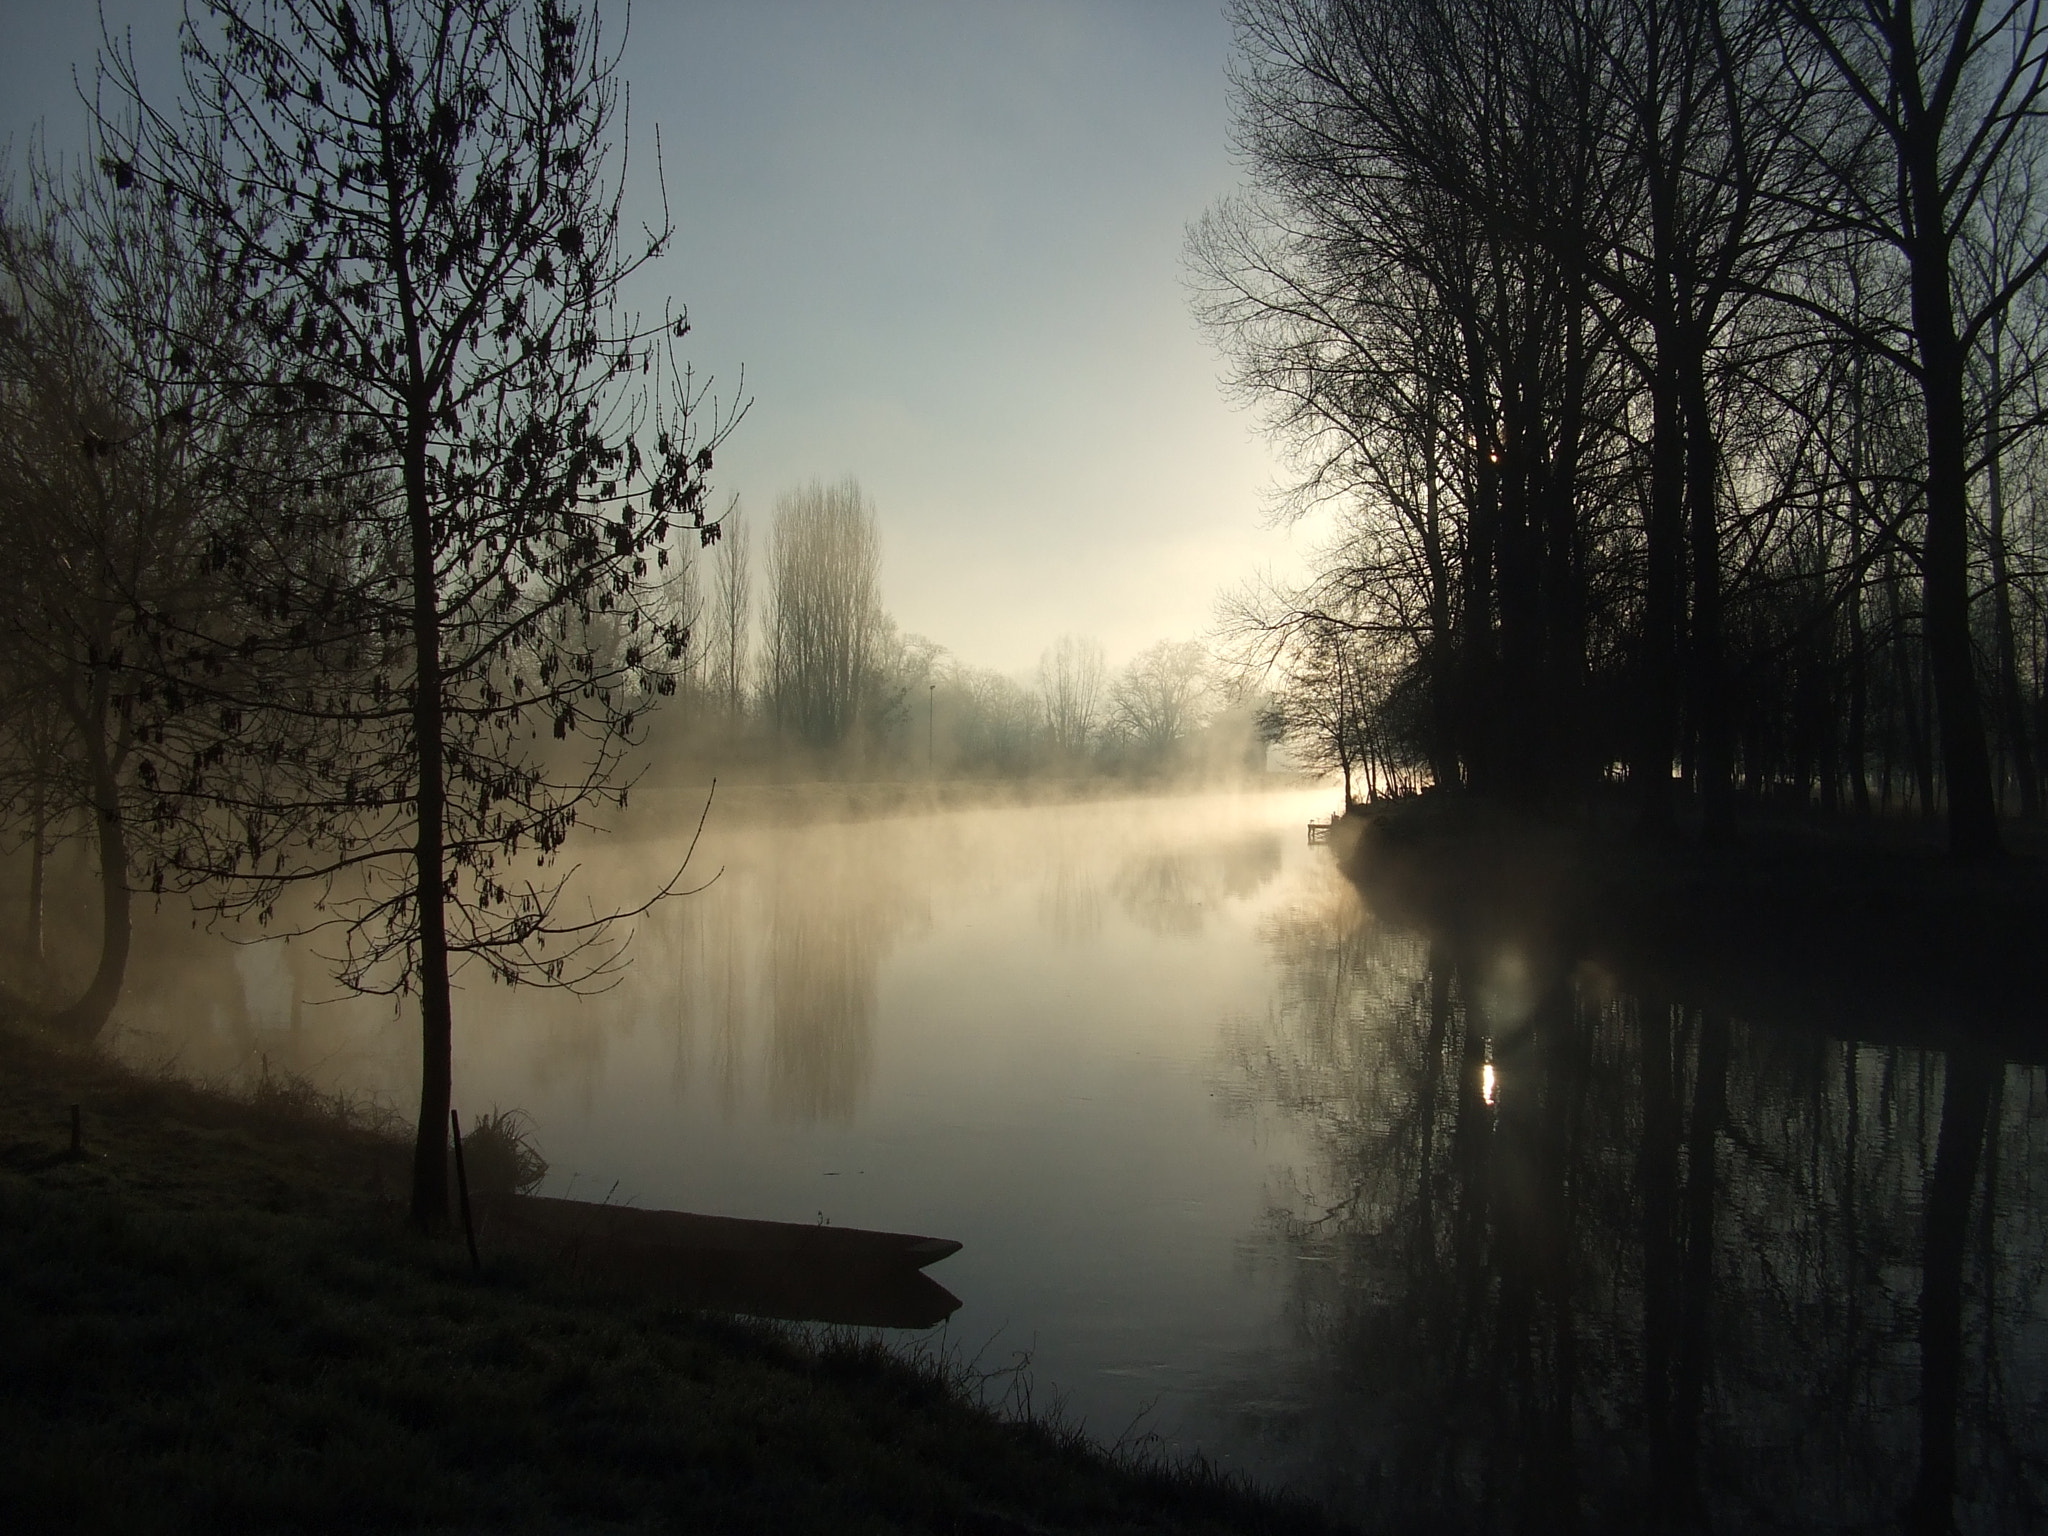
<point>826,627</point>
<point>1156,702</point>
<point>1070,691</point>
<point>414,202</point>
<point>1323,702</point>
<point>683,607</point>
<point>995,721</point>
<point>730,631</point>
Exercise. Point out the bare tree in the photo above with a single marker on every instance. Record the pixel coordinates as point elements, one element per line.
<point>682,608</point>
<point>417,203</point>
<point>1323,705</point>
<point>1580,316</point>
<point>994,724</point>
<point>1926,115</point>
<point>825,622</point>
<point>730,631</point>
<point>1430,353</point>
<point>113,444</point>
<point>1070,676</point>
<point>1157,700</point>
<point>2010,390</point>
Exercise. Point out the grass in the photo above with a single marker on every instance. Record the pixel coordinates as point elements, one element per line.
<point>216,1320</point>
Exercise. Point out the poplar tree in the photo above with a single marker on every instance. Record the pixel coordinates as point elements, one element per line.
<point>825,618</point>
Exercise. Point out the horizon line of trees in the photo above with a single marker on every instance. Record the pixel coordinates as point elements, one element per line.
<point>803,660</point>
<point>1672,373</point>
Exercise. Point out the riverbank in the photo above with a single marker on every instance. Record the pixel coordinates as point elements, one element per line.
<point>215,1319</point>
<point>1869,934</point>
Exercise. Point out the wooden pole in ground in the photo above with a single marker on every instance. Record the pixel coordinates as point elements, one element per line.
<point>462,1190</point>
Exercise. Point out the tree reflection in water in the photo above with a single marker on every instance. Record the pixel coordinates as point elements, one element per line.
<point>776,967</point>
<point>1175,891</point>
<point>831,922</point>
<point>1679,1274</point>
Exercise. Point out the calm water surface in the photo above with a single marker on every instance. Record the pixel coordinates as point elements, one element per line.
<point>1426,1227</point>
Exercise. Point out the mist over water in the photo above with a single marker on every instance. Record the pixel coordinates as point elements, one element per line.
<point>1415,1224</point>
<point>1006,1026</point>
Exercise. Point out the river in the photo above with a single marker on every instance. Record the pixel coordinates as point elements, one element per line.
<point>1431,1233</point>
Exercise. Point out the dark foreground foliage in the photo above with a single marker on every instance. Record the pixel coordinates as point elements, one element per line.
<point>215,1319</point>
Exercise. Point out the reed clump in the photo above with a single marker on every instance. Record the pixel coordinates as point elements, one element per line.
<point>501,1154</point>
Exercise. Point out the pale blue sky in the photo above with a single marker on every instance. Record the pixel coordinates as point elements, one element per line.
<point>944,242</point>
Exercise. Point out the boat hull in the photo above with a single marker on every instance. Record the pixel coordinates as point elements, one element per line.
<point>786,1270</point>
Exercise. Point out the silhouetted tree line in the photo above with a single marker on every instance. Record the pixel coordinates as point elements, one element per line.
<point>823,676</point>
<point>1670,372</point>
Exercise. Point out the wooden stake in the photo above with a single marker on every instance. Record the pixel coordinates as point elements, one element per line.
<point>462,1189</point>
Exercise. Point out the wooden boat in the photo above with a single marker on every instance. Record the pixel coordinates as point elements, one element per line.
<point>789,1270</point>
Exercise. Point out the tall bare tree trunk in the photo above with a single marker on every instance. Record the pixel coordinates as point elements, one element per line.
<point>37,854</point>
<point>1664,537</point>
<point>1569,766</point>
<point>2011,704</point>
<point>1478,727</point>
<point>733,609</point>
<point>1709,686</point>
<point>87,1017</point>
<point>1859,663</point>
<point>1966,763</point>
<point>437,1032</point>
<point>1443,724</point>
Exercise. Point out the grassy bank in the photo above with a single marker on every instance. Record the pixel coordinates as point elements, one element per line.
<point>214,1319</point>
<point>1867,932</point>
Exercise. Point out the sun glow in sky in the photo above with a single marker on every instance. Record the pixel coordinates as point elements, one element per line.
<point>944,243</point>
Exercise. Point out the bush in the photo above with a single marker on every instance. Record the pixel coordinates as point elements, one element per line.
<point>499,1155</point>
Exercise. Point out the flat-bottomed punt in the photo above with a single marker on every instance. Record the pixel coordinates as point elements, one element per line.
<point>791,1270</point>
